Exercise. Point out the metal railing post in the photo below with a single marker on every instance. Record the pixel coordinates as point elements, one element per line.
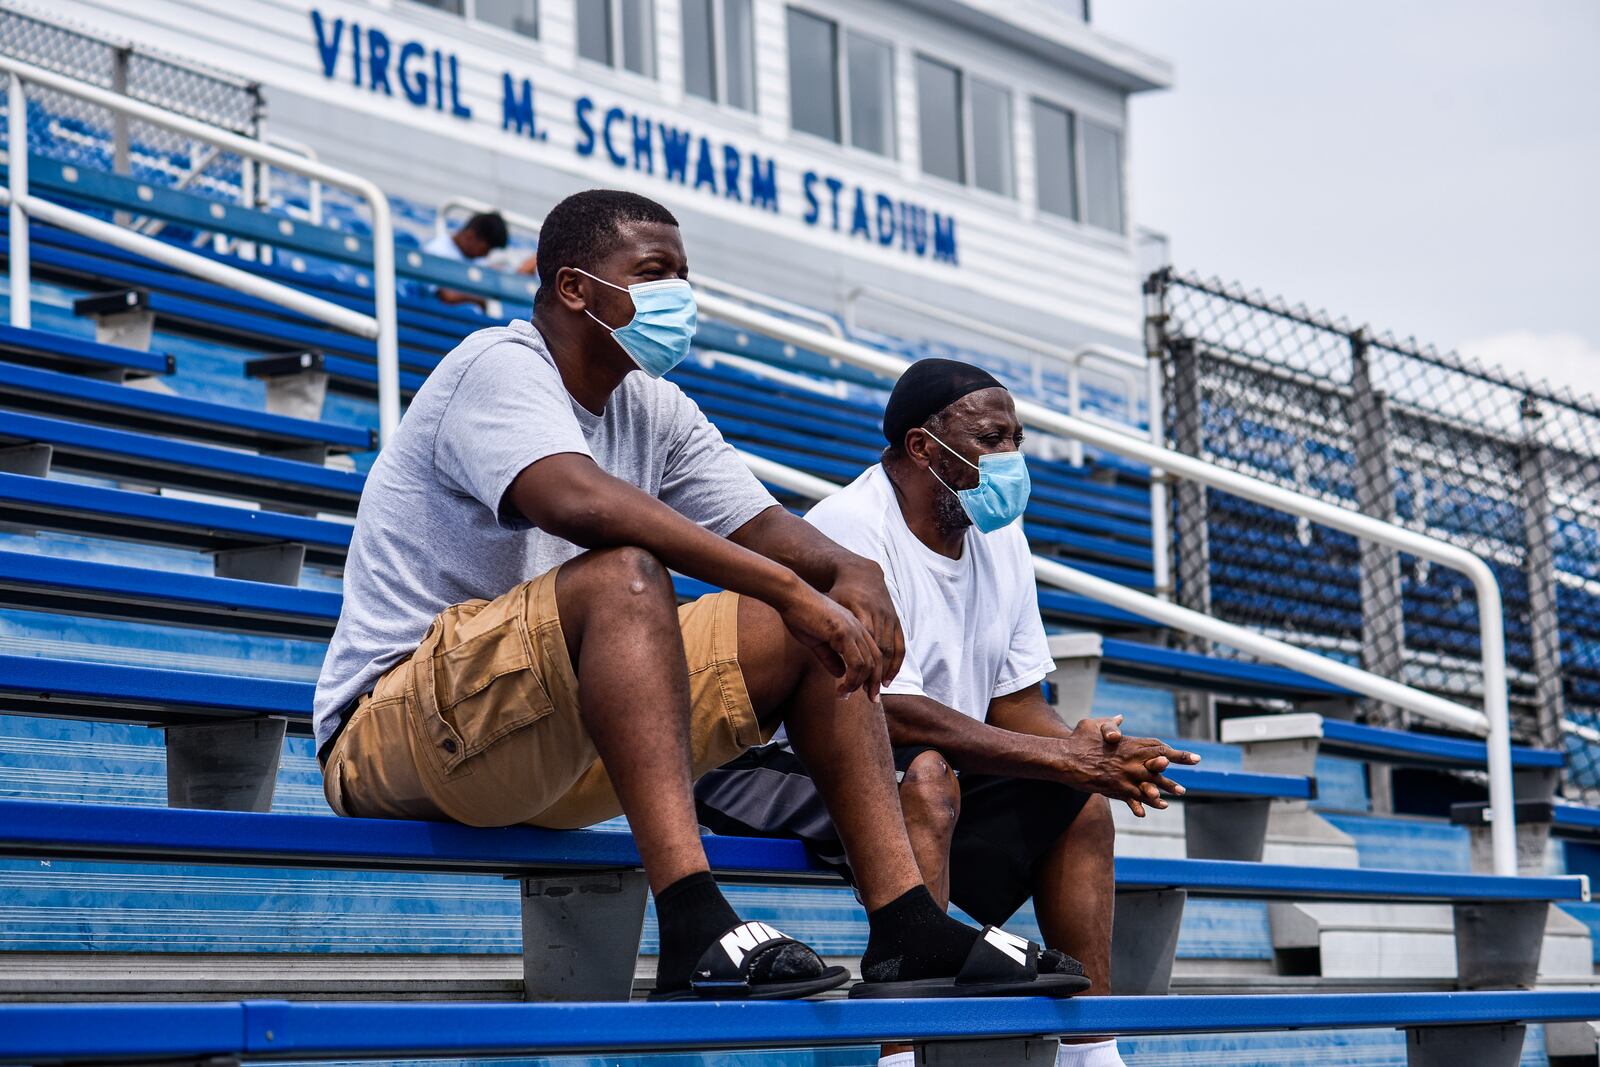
<point>1155,329</point>
<point>21,268</point>
<point>1539,566</point>
<point>1188,431</point>
<point>1382,607</point>
<point>1383,633</point>
<point>121,158</point>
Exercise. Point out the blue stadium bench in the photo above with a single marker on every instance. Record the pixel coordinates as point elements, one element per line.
<point>261,545</point>
<point>1442,1029</point>
<point>1289,743</point>
<point>582,889</point>
<point>138,594</point>
<point>44,392</point>
<point>285,484</point>
<point>255,331</point>
<point>37,348</point>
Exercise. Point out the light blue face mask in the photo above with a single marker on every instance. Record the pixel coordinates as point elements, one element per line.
<point>1002,490</point>
<point>663,323</point>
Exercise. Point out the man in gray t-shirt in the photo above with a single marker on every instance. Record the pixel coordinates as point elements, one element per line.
<point>511,650</point>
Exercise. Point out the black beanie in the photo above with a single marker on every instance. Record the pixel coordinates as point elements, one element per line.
<point>928,387</point>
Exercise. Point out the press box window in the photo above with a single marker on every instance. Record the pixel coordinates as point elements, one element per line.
<point>618,33</point>
<point>518,16</point>
<point>719,52</point>
<point>1055,159</point>
<point>1102,177</point>
<point>965,125</point>
<point>940,118</point>
<point>813,75</point>
<point>869,78</point>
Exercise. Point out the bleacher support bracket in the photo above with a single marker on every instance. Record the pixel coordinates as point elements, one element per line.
<point>278,564</point>
<point>1498,1045</point>
<point>1498,943</point>
<point>297,385</point>
<point>1012,1052</point>
<point>121,318</point>
<point>224,766</point>
<point>580,935</point>
<point>1144,941</point>
<point>30,459</point>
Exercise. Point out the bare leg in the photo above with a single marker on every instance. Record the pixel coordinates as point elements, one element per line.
<point>633,686</point>
<point>931,799</point>
<point>844,745</point>
<point>1074,890</point>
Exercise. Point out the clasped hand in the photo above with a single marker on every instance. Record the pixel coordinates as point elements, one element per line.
<point>1098,758</point>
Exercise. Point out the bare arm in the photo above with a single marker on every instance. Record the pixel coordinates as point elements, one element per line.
<point>569,496</point>
<point>455,296</point>
<point>1024,738</point>
<point>851,580</point>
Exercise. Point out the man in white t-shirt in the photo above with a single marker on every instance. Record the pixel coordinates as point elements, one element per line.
<point>1002,799</point>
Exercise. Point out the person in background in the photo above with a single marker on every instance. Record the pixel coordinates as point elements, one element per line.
<point>480,235</point>
<point>1003,800</point>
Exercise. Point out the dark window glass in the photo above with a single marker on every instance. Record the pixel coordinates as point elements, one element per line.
<point>739,55</point>
<point>871,80</point>
<point>639,36</point>
<point>518,16</point>
<point>939,120</point>
<point>594,30</point>
<point>1055,168</point>
<point>991,138</point>
<point>813,75</point>
<point>699,49</point>
<point>452,6</point>
<point>1102,176</point>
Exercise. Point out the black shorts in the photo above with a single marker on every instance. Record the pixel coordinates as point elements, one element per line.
<point>1005,828</point>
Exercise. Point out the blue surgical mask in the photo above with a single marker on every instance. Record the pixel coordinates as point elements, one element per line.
<point>663,323</point>
<point>1002,490</point>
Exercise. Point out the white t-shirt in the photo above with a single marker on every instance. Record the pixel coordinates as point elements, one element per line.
<point>972,624</point>
<point>443,245</point>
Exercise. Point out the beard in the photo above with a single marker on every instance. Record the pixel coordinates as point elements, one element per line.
<point>949,517</point>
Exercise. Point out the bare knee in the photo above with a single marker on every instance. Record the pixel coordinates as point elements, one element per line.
<point>613,586</point>
<point>930,794</point>
<point>627,572</point>
<point>1094,829</point>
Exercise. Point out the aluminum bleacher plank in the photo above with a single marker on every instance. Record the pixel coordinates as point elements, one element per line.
<point>117,513</point>
<point>56,351</point>
<point>117,693</point>
<point>1203,782</point>
<point>145,459</point>
<point>91,270</point>
<point>108,264</point>
<point>153,834</point>
<point>1340,737</point>
<point>268,333</point>
<point>104,590</point>
<point>1173,667</point>
<point>278,1029</point>
<point>50,392</point>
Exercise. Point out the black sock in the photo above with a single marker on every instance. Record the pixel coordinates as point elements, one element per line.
<point>912,938</point>
<point>691,914</point>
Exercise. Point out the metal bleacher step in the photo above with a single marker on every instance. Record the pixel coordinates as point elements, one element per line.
<point>139,458</point>
<point>46,392</point>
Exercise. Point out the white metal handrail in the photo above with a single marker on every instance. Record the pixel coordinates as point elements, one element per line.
<point>1125,366</point>
<point>314,187</point>
<point>380,325</point>
<point>1493,720</point>
<point>738,292</point>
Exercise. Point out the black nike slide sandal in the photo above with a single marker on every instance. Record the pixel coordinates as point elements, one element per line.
<point>999,965</point>
<point>723,972</point>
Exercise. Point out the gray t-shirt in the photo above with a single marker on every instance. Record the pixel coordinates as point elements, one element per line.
<point>430,533</point>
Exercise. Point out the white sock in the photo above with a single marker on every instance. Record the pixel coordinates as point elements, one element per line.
<point>1099,1054</point>
<point>899,1059</point>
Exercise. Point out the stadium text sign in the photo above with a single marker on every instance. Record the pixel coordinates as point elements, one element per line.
<point>429,78</point>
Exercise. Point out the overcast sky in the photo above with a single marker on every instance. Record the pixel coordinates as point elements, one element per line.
<point>1426,166</point>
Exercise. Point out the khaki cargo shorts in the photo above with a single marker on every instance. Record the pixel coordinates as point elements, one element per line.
<point>481,724</point>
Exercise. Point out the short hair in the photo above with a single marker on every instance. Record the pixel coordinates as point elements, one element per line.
<point>587,227</point>
<point>489,227</point>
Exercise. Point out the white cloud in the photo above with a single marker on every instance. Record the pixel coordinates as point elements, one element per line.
<point>1561,359</point>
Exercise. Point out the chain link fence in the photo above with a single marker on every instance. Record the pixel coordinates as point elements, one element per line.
<point>73,131</point>
<point>1506,468</point>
